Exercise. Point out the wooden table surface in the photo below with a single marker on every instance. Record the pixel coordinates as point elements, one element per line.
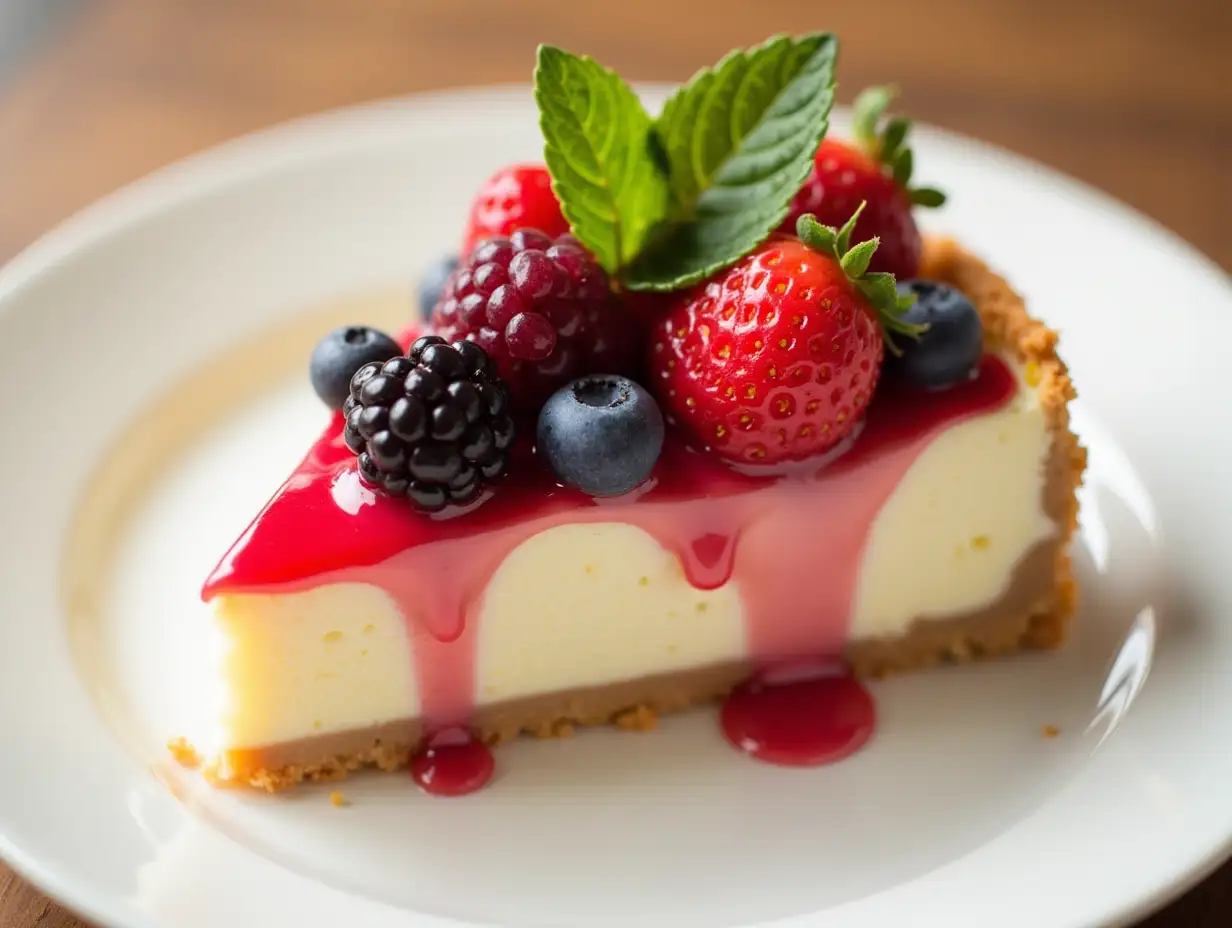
<point>1134,96</point>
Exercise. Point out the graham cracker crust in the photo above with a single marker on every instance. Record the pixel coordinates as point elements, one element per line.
<point>1009,328</point>
<point>1034,613</point>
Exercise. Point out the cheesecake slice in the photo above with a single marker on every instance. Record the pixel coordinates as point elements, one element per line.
<point>353,625</point>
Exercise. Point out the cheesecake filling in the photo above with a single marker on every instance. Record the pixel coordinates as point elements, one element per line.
<point>702,577</point>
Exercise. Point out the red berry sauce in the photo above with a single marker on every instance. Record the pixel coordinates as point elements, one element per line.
<point>799,716</point>
<point>452,763</point>
<point>793,544</point>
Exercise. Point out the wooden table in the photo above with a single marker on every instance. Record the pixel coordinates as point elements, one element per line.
<point>1134,96</point>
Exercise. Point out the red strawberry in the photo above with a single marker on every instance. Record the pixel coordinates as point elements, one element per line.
<point>777,358</point>
<point>515,197</point>
<point>876,171</point>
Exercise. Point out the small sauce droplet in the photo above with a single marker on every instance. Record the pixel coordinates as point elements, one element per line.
<point>799,715</point>
<point>452,763</point>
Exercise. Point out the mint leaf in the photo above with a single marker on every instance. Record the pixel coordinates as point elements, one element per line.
<point>597,145</point>
<point>739,140</point>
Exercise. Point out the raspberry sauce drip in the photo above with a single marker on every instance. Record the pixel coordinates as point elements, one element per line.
<point>793,545</point>
<point>452,763</point>
<point>799,716</point>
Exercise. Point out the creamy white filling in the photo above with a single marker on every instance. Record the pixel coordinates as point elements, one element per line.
<point>965,513</point>
<point>584,605</point>
<point>328,659</point>
<point>596,604</point>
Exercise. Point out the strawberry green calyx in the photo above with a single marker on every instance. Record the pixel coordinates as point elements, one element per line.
<point>879,289</point>
<point>888,145</point>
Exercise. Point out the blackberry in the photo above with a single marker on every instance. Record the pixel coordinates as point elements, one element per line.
<point>543,311</point>
<point>432,425</point>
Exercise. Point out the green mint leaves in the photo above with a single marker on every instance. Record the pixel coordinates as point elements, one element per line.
<point>665,203</point>
<point>597,144</point>
<point>739,140</point>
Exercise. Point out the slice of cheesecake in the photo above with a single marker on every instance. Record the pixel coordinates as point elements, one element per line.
<point>354,625</point>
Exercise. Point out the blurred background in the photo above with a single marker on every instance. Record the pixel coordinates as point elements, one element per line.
<point>1133,96</point>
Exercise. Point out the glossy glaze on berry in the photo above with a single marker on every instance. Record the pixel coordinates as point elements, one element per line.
<point>543,311</point>
<point>432,426</point>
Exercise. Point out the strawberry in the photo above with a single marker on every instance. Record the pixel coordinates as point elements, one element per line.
<point>877,170</point>
<point>515,197</point>
<point>776,358</point>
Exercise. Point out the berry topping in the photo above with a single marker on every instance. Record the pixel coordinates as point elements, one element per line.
<point>432,283</point>
<point>340,354</point>
<point>777,358</point>
<point>515,197</point>
<point>541,308</point>
<point>602,434</point>
<point>876,171</point>
<point>433,425</point>
<point>949,351</point>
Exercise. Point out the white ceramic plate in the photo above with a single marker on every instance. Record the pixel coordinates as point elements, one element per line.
<point>960,813</point>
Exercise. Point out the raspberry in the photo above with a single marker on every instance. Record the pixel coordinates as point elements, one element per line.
<point>432,425</point>
<point>541,309</point>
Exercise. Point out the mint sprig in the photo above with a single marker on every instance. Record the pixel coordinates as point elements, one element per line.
<point>878,288</point>
<point>739,140</point>
<point>664,203</point>
<point>888,146</point>
<point>597,145</point>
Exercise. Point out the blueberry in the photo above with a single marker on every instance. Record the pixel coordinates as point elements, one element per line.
<point>432,283</point>
<point>950,350</point>
<point>340,354</point>
<point>601,433</point>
